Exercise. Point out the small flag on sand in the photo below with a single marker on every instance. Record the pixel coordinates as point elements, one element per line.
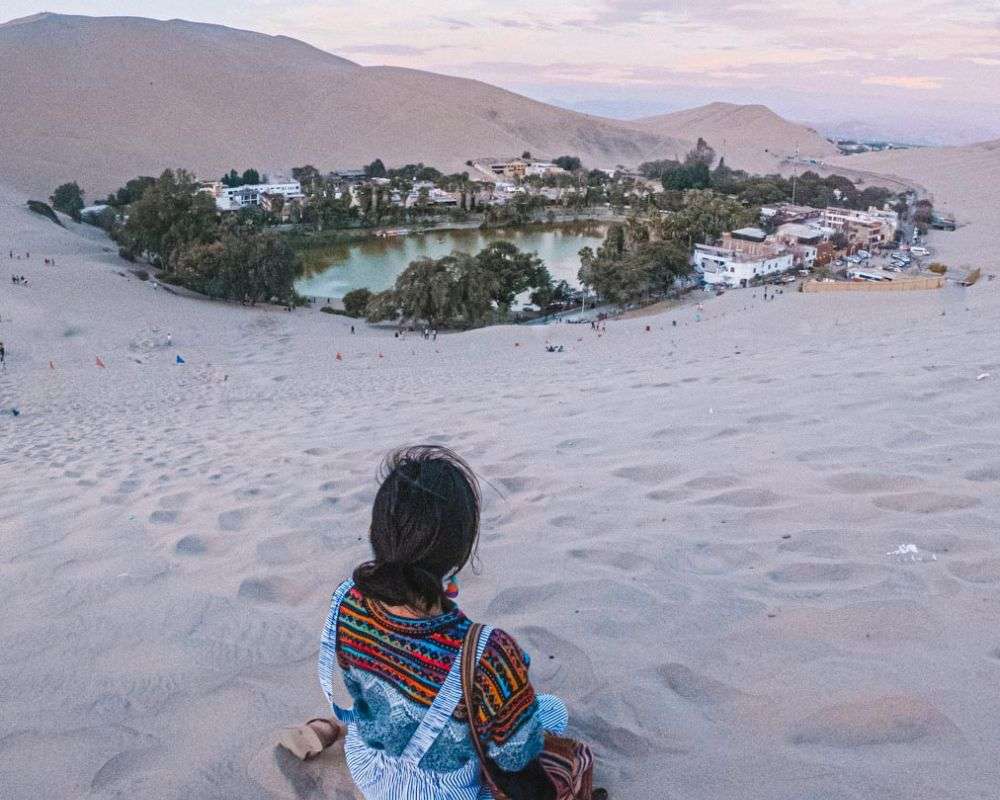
<point>51,365</point>
<point>100,363</point>
<point>339,357</point>
<point>180,360</point>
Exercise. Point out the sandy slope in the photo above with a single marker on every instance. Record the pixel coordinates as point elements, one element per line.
<point>750,137</point>
<point>962,181</point>
<point>693,539</point>
<point>100,100</point>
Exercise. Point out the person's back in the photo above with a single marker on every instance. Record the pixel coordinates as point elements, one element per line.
<point>396,637</point>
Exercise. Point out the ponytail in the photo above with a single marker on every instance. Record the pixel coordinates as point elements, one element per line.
<point>395,583</point>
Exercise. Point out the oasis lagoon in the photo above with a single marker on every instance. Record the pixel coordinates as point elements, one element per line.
<point>373,263</point>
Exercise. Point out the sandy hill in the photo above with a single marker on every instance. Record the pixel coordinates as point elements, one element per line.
<point>100,100</point>
<point>751,137</point>
<point>960,180</point>
<point>784,514</point>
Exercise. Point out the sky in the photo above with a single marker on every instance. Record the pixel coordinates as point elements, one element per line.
<point>919,70</point>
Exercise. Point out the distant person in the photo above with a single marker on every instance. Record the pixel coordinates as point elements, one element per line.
<point>3,355</point>
<point>352,330</point>
<point>396,636</point>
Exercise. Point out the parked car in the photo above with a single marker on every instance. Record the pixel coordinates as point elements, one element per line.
<point>920,251</point>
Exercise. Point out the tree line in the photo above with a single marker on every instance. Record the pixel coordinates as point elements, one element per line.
<point>460,289</point>
<point>647,255</point>
<point>807,189</point>
<point>177,229</point>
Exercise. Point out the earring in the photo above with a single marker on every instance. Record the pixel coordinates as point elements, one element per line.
<point>451,588</point>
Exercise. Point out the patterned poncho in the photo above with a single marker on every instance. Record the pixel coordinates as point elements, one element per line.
<point>393,667</point>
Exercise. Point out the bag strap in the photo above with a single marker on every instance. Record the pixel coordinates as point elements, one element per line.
<point>470,658</point>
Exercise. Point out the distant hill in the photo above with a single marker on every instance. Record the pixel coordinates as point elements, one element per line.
<point>100,100</point>
<point>750,137</point>
<point>963,180</point>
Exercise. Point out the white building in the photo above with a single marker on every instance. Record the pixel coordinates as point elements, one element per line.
<point>864,228</point>
<point>435,196</point>
<point>236,197</point>
<point>723,266</point>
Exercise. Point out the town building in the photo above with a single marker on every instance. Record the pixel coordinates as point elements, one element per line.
<point>234,198</point>
<point>868,229</point>
<point>737,265</point>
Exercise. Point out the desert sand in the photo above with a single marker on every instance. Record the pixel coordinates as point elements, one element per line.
<point>749,137</point>
<point>145,95</point>
<point>961,181</point>
<point>755,553</point>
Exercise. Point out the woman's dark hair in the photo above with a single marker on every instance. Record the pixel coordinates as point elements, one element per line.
<point>425,526</point>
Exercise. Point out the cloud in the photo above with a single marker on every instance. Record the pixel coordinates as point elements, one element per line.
<point>984,61</point>
<point>391,49</point>
<point>454,23</point>
<point>918,82</point>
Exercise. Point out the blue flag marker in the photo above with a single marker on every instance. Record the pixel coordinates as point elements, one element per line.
<point>180,360</point>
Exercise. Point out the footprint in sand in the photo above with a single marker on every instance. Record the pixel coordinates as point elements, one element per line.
<point>810,572</point>
<point>986,570</point>
<point>190,545</point>
<point>163,517</point>
<point>651,474</point>
<point>233,520</point>
<point>693,687</point>
<point>873,482</point>
<point>872,721</point>
<point>988,474</point>
<point>925,502</point>
<point>744,498</point>
<point>517,484</point>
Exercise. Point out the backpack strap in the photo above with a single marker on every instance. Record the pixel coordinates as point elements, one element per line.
<point>447,699</point>
<point>328,652</point>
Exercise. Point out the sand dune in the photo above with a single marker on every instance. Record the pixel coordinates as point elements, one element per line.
<point>756,553</point>
<point>961,181</point>
<point>100,100</point>
<point>750,137</point>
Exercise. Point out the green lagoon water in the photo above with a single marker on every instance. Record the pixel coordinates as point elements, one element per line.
<point>374,263</point>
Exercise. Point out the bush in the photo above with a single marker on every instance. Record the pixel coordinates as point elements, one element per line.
<point>938,269</point>
<point>45,210</point>
<point>356,301</point>
<point>254,268</point>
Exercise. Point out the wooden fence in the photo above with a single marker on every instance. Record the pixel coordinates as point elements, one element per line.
<point>907,285</point>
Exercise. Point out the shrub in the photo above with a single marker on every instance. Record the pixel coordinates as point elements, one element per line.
<point>356,301</point>
<point>45,210</point>
<point>938,269</point>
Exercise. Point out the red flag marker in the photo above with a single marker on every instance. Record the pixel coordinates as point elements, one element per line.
<point>339,357</point>
<point>100,363</point>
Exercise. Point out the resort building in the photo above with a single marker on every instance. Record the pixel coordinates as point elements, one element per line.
<point>234,198</point>
<point>737,266</point>
<point>869,228</point>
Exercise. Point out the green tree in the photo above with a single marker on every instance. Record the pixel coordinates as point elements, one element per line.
<point>131,191</point>
<point>250,177</point>
<point>512,271</point>
<point>170,215</point>
<point>68,198</point>
<point>425,290</point>
<point>254,268</point>
<point>376,169</point>
<point>356,302</point>
<point>568,163</point>
<point>382,307</point>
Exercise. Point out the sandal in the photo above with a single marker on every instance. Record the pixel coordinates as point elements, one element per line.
<point>304,742</point>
